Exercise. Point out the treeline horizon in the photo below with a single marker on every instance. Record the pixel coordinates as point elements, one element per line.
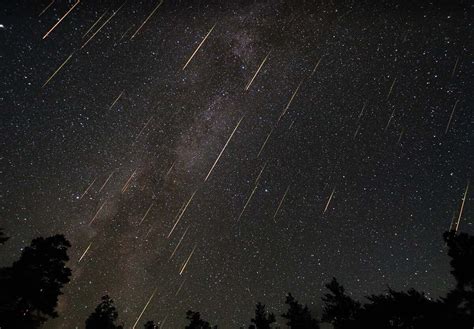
<point>31,286</point>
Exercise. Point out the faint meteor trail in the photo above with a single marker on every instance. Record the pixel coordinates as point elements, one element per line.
<point>265,142</point>
<point>291,125</point>
<point>179,243</point>
<point>329,200</point>
<point>88,188</point>
<point>462,205</point>
<point>95,23</point>
<point>362,111</point>
<point>291,100</point>
<point>451,117</point>
<point>64,16</point>
<point>401,135</point>
<point>169,170</point>
<point>144,216</point>
<point>144,308</point>
<point>390,120</point>
<point>97,213</point>
<point>127,183</point>
<point>258,70</point>
<point>47,7</point>
<point>198,47</point>
<point>163,323</point>
<point>223,149</point>
<point>105,23</point>
<point>179,289</point>
<point>85,252</point>
<point>454,68</point>
<point>116,100</point>
<point>315,67</point>
<point>391,88</point>
<point>253,191</point>
<point>106,181</point>
<point>146,20</point>
<point>280,204</point>
<point>187,261</point>
<point>182,213</point>
<point>57,70</point>
<point>357,130</point>
<point>144,127</point>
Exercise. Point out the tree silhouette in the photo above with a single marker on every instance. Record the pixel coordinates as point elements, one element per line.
<point>262,319</point>
<point>150,325</point>
<point>3,238</point>
<point>339,309</point>
<point>195,321</point>
<point>298,316</point>
<point>104,315</point>
<point>31,286</point>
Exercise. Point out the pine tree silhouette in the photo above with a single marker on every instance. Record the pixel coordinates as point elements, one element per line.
<point>3,238</point>
<point>262,319</point>
<point>299,316</point>
<point>31,286</point>
<point>195,321</point>
<point>339,309</point>
<point>104,315</point>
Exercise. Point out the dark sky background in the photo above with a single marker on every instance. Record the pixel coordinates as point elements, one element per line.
<point>367,130</point>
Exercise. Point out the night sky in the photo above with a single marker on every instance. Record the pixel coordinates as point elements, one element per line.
<point>302,140</point>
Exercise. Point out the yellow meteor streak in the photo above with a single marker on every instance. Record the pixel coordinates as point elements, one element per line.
<point>223,149</point>
<point>146,20</point>
<point>253,191</point>
<point>100,28</point>
<point>106,181</point>
<point>179,289</point>
<point>258,70</point>
<point>58,69</point>
<point>315,67</point>
<point>462,206</point>
<point>182,213</point>
<point>265,143</point>
<point>47,7</point>
<point>64,16</point>
<point>97,213</point>
<point>125,187</point>
<point>143,218</point>
<point>85,252</point>
<point>169,170</point>
<point>87,189</point>
<point>146,305</point>
<point>198,47</point>
<point>291,100</point>
<point>451,117</point>
<point>187,261</point>
<point>179,243</point>
<point>391,88</point>
<point>329,201</point>
<point>95,23</point>
<point>146,125</point>
<point>116,100</point>
<point>281,202</point>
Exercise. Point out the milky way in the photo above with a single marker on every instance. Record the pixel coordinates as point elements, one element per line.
<point>207,155</point>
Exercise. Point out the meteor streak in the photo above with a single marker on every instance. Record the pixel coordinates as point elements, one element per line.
<point>389,120</point>
<point>125,187</point>
<point>47,7</point>
<point>97,213</point>
<point>106,181</point>
<point>329,201</point>
<point>462,205</point>
<point>451,117</point>
<point>362,111</point>
<point>116,100</point>
<point>265,142</point>
<point>454,68</point>
<point>163,323</point>
<point>146,125</point>
<point>146,20</point>
<point>169,170</point>
<point>291,100</point>
<point>58,69</point>
<point>85,252</point>
<point>95,23</point>
<point>223,149</point>
<point>315,67</point>
<point>144,216</point>
<point>179,289</point>
<point>179,243</point>
<point>253,191</point>
<point>198,47</point>
<point>182,213</point>
<point>144,308</point>
<point>64,16</point>
<point>87,189</point>
<point>391,88</point>
<point>281,202</point>
<point>187,261</point>
<point>258,70</point>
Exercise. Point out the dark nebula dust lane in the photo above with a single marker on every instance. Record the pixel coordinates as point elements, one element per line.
<point>207,155</point>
